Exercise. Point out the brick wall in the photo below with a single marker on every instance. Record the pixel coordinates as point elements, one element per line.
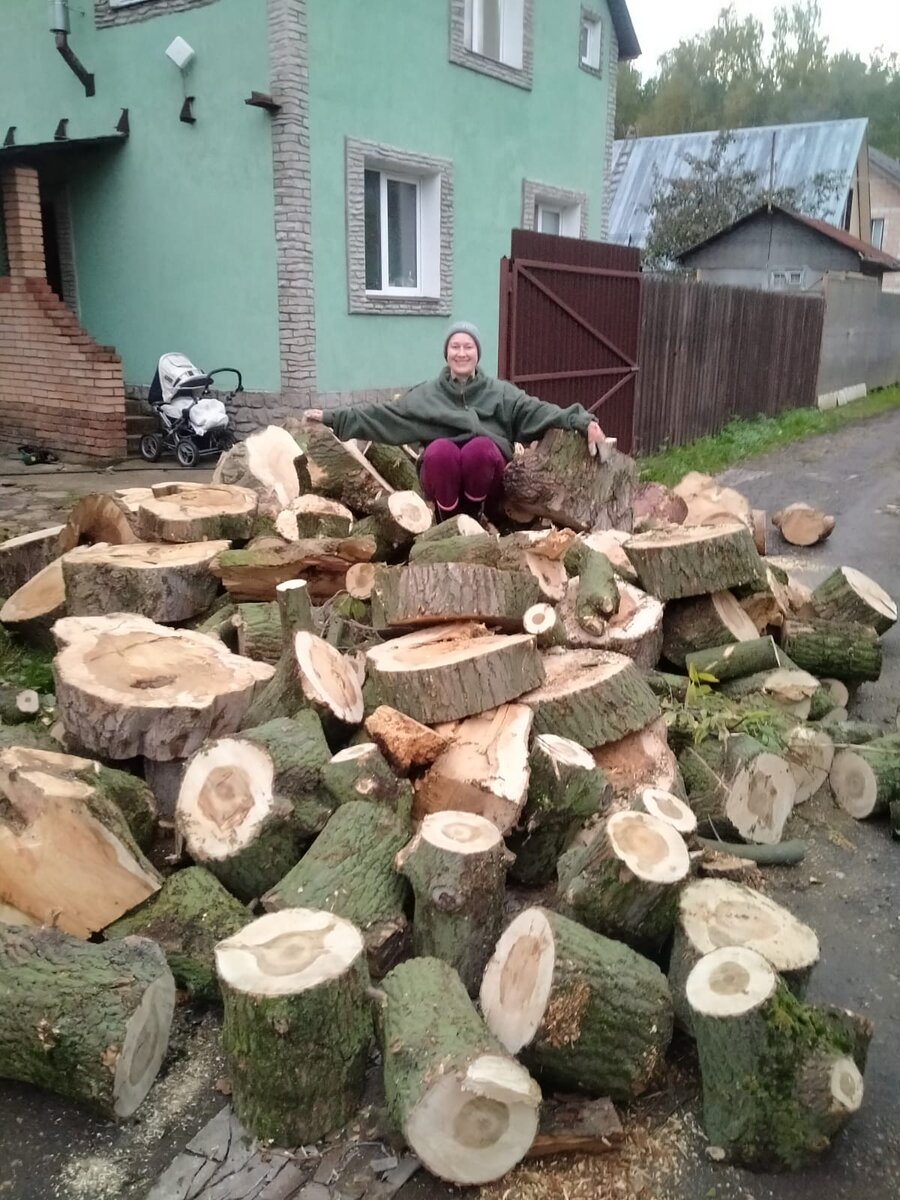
<point>58,389</point>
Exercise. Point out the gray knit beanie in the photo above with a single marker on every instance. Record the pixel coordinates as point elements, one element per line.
<point>463,327</point>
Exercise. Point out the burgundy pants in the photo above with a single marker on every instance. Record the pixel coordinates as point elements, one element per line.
<point>450,472</point>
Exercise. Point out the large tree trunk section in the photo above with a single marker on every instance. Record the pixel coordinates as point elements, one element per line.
<point>708,502</point>
<point>338,470</point>
<point>22,557</point>
<point>545,626</point>
<point>805,1063</point>
<point>802,525</point>
<point>394,522</point>
<point>258,627</point>
<point>418,595</point>
<point>298,1024</point>
<point>565,789</point>
<point>542,556</point>
<point>349,870</point>
<point>640,759</point>
<point>456,864</point>
<point>312,516</point>
<point>717,912</point>
<point>464,1107</point>
<point>197,512</point>
<point>126,686</point>
<point>186,918</point>
<point>703,622</point>
<point>254,574</point>
<point>591,697</point>
<point>845,650</point>
<point>267,463</point>
<point>484,770</point>
<point>363,773</point>
<point>736,660</point>
<point>848,595</point>
<point>396,465</point>
<point>598,595</point>
<point>625,884</point>
<point>67,855</point>
<point>461,525</point>
<point>102,517</point>
<point>165,583</point>
<point>311,674</point>
<point>250,804</point>
<point>560,480</point>
<point>405,743</point>
<point>866,779</point>
<point>452,672</point>
<point>33,609</point>
<point>89,1022</point>
<point>692,561</point>
<point>583,1012</point>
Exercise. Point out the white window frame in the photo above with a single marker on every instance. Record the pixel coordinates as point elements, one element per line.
<point>592,58</point>
<point>570,223</point>
<point>512,32</point>
<point>877,221</point>
<point>787,279</point>
<point>418,182</point>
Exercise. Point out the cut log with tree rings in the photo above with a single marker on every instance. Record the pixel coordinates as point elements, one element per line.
<point>636,629</point>
<point>255,572</point>
<point>583,1012</point>
<point>32,610</point>
<point>433,593</point>
<point>461,525</point>
<point>848,595</point>
<point>690,561</point>
<point>298,1024</point>
<point>394,521</point>
<point>22,557</point>
<point>294,609</point>
<point>360,580</point>
<point>452,672</point>
<point>708,502</point>
<point>197,512</point>
<point>788,687</point>
<point>545,626</point>
<point>761,790</point>
<point>102,517</point>
<point>465,1108</point>
<point>311,516</point>
<point>703,622</point>
<point>311,674</point>
<point>669,808</point>
<point>266,462</point>
<point>802,525</point>
<point>866,779</point>
<point>809,753</point>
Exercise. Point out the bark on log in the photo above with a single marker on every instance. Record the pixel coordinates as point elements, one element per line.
<point>298,1024</point>
<point>394,522</point>
<point>484,770</point>
<point>638,760</point>
<point>848,595</point>
<point>736,660</point>
<point>577,1125</point>
<point>845,732</point>
<point>165,583</point>
<point>565,789</point>
<point>349,871</point>
<point>611,542</point>
<point>592,697</point>
<point>363,773</point>
<point>788,687</point>
<point>512,553</point>
<point>33,609</point>
<point>197,512</point>
<point>67,854</point>
<point>102,517</point>
<point>396,466</point>
<point>461,525</point>
<point>465,1108</point>
<point>22,557</point>
<point>802,525</point>
<point>310,674</point>
<point>404,742</point>
<point>311,516</point>
<point>741,782</point>
<point>254,574</point>
<point>693,561</point>
<point>18,706</point>
<point>637,628</point>
<point>337,469</point>
<point>269,463</point>
<point>545,626</point>
<point>866,779</point>
<point>558,479</point>
<point>451,672</point>
<point>186,918</point>
<point>258,628</point>
<point>126,686</point>
<point>703,622</point>
<point>625,884</point>
<point>250,804</point>
<point>584,1013</point>
<point>456,865</point>
<point>597,595</point>
<point>847,651</point>
<point>90,1022</point>
<point>805,1062</point>
<point>421,595</point>
<point>220,624</point>
<point>655,507</point>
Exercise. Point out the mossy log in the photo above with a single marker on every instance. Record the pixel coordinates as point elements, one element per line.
<point>826,647</point>
<point>511,553</point>
<point>583,1012</point>
<point>702,623</point>
<point>394,522</point>
<point>254,573</point>
<point>625,884</point>
<point>780,1077</point>
<point>338,469</point>
<point>310,674</point>
<point>865,779</point>
<point>718,912</point>
<point>22,557</point>
<point>420,595</point>
<point>362,772</point>
<point>219,623</point>
<point>197,512</point>
<point>186,918</point>
<point>456,864</point>
<point>298,1024</point>
<point>545,625</point>
<point>311,516</point>
<point>788,687</point>
<point>691,561</point>
<point>395,465</point>
<point>258,628</point>
<point>349,870</point>
<point>851,733</point>
<point>597,596</point>
<point>405,743</point>
<point>465,1108</point>
<point>460,525</point>
<point>565,789</point>
<point>743,783</point>
<point>250,804</point>
<point>90,1022</point>
<point>736,660</point>
<point>849,596</point>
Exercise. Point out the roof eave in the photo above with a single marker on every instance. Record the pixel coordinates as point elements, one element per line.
<point>629,46</point>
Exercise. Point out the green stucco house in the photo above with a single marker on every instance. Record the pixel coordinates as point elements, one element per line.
<point>307,189</point>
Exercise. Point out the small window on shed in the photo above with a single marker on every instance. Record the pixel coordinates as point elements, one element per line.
<point>787,279</point>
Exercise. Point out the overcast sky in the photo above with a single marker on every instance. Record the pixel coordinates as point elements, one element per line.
<point>859,27</point>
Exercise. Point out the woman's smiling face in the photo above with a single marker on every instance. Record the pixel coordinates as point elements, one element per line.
<point>462,355</point>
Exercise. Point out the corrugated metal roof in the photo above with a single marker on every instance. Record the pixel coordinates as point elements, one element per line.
<point>801,152</point>
<point>884,163</point>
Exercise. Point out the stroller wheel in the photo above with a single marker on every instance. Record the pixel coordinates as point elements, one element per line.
<point>151,447</point>
<point>186,453</point>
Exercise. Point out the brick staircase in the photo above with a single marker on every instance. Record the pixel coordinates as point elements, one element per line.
<point>139,419</point>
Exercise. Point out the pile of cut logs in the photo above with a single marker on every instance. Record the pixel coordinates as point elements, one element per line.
<point>458,764</point>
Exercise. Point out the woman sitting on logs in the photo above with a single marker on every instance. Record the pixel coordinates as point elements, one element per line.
<point>468,423</point>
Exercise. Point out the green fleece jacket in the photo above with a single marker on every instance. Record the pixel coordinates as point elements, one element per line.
<point>458,410</point>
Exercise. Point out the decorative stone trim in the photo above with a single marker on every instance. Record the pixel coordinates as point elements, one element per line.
<point>332,400</point>
<point>464,57</point>
<point>358,156</point>
<point>606,27</point>
<point>107,16</point>
<point>612,61</point>
<point>534,194</point>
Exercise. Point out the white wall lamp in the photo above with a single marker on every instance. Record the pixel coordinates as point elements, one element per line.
<point>182,55</point>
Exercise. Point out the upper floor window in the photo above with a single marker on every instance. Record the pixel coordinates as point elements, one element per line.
<point>876,232</point>
<point>590,46</point>
<point>787,279</point>
<point>496,29</point>
<point>393,216</point>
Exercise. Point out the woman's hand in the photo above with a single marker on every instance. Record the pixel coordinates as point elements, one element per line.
<point>313,414</point>
<point>595,436</point>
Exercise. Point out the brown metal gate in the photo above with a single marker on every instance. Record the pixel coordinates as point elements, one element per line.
<point>570,316</point>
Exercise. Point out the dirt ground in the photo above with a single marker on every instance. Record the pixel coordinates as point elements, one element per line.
<point>848,889</point>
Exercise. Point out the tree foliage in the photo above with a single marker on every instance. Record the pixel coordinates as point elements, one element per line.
<point>734,76</point>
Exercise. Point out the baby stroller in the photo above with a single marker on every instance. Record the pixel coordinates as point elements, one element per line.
<point>192,423</point>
